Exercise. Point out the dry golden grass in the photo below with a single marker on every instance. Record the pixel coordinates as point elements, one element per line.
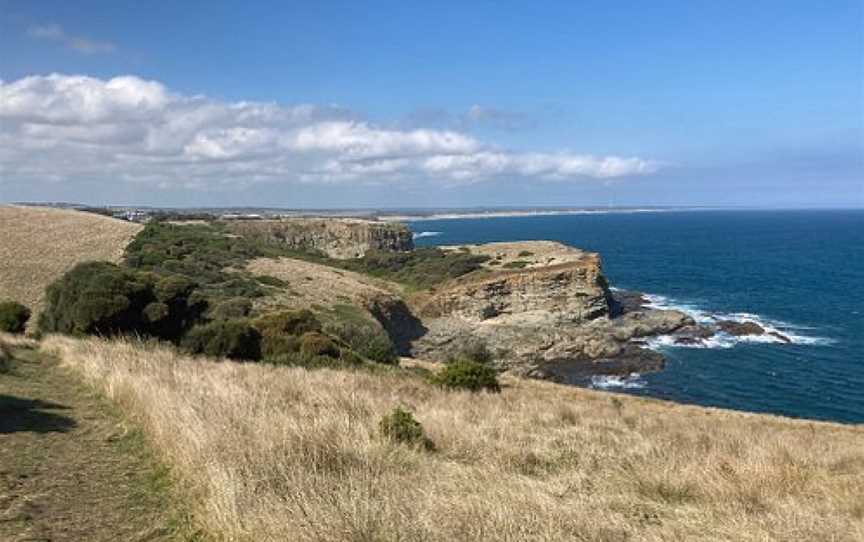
<point>39,244</point>
<point>268,453</point>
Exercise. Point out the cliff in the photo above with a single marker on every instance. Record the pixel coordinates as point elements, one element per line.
<point>544,310</point>
<point>574,292</point>
<point>337,238</point>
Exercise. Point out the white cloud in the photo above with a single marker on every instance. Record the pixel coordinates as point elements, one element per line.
<point>54,32</point>
<point>126,129</point>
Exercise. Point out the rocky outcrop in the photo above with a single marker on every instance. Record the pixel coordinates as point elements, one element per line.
<point>337,238</point>
<point>555,321</point>
<point>574,292</point>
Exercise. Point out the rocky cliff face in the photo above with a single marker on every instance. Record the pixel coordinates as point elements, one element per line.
<point>573,292</point>
<point>337,238</point>
<point>551,315</point>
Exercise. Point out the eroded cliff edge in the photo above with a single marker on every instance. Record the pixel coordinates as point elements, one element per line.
<point>339,238</point>
<point>545,310</point>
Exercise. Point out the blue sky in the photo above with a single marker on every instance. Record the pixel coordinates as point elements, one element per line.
<point>447,104</point>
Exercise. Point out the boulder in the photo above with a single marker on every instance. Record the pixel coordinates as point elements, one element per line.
<point>739,329</point>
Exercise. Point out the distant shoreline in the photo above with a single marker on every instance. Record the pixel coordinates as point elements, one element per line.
<point>510,214</point>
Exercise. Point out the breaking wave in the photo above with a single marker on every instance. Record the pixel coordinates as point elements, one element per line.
<point>421,234</point>
<point>630,382</point>
<point>772,327</point>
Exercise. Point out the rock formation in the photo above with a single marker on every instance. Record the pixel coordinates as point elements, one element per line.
<point>337,238</point>
<point>557,321</point>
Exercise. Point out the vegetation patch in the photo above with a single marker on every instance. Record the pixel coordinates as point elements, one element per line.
<point>100,298</point>
<point>467,375</point>
<point>13,317</point>
<point>516,264</point>
<point>399,426</point>
<point>234,339</point>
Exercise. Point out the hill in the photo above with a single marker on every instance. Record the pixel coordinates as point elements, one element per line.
<point>286,453</point>
<point>39,244</point>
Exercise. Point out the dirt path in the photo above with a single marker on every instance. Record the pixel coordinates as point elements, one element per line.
<point>69,469</point>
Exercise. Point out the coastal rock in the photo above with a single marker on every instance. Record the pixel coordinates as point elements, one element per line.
<point>572,291</point>
<point>739,329</point>
<point>337,238</point>
<point>780,336</point>
<point>544,317</point>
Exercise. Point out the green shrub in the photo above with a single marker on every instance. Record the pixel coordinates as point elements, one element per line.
<point>516,264</point>
<point>526,254</point>
<point>235,339</point>
<point>314,343</point>
<point>467,375</point>
<point>289,322</point>
<point>401,427</point>
<point>100,298</point>
<point>97,298</point>
<point>236,307</point>
<point>420,268</point>
<point>13,317</point>
<point>367,340</point>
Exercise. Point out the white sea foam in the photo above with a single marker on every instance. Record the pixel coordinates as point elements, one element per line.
<point>630,382</point>
<point>725,340</point>
<point>421,234</point>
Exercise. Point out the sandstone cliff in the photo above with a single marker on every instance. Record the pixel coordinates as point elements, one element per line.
<point>337,238</point>
<point>545,310</point>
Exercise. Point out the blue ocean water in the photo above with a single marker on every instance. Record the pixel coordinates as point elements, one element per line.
<point>800,272</point>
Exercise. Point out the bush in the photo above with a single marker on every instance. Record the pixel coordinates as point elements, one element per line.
<point>467,375</point>
<point>367,340</point>
<point>290,322</point>
<point>314,343</point>
<point>400,426</point>
<point>236,307</point>
<point>281,331</point>
<point>235,339</point>
<point>100,298</point>
<point>13,317</point>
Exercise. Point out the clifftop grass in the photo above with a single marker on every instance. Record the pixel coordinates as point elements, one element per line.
<point>285,453</point>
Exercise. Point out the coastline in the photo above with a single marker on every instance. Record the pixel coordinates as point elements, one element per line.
<point>518,213</point>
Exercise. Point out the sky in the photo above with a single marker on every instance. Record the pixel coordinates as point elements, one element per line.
<point>435,104</point>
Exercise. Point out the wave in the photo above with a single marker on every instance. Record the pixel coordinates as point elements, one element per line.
<point>421,234</point>
<point>606,382</point>
<point>726,340</point>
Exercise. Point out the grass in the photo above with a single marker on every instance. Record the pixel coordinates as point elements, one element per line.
<point>36,248</point>
<point>279,453</point>
<point>73,468</point>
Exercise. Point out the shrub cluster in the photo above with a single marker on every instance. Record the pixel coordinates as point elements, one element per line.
<point>13,317</point>
<point>234,339</point>
<point>467,375</point>
<point>100,298</point>
<point>420,268</point>
<point>401,427</point>
<point>367,340</point>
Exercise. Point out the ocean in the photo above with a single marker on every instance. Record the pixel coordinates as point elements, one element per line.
<point>799,272</point>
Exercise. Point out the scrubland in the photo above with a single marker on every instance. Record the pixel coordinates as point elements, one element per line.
<point>285,453</point>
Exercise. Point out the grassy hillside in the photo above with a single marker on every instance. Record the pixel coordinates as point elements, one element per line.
<point>37,245</point>
<point>277,453</point>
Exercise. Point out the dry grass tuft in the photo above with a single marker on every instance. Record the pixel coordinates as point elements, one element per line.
<point>38,244</point>
<point>271,453</point>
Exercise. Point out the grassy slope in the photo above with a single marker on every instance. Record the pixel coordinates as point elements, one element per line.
<point>270,453</point>
<point>37,245</point>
